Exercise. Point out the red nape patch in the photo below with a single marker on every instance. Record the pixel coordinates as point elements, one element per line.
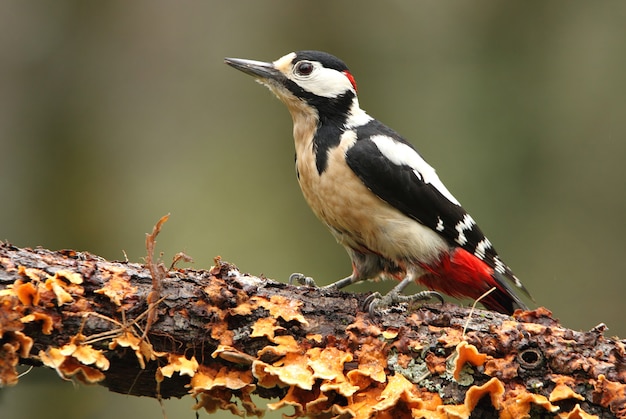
<point>461,274</point>
<point>351,78</point>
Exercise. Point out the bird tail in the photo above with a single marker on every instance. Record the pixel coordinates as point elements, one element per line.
<point>461,274</point>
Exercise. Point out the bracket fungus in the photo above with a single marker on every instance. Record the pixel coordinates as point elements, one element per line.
<point>223,336</point>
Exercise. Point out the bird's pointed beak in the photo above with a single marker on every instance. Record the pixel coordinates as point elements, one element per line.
<point>257,69</point>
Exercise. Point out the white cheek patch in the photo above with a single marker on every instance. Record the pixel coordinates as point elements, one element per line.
<point>323,82</point>
<point>356,116</point>
<point>403,155</point>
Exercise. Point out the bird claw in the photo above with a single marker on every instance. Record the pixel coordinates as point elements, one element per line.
<point>376,301</point>
<point>370,302</point>
<point>301,279</point>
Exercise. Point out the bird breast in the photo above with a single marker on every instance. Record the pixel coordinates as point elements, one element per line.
<point>358,218</point>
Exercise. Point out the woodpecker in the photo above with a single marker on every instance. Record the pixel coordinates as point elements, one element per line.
<point>378,196</point>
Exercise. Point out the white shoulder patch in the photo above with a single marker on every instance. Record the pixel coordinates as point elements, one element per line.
<point>403,155</point>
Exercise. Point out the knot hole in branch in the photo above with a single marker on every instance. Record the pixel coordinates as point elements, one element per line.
<point>530,358</point>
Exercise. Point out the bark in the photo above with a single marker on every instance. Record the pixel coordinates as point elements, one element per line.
<point>222,336</point>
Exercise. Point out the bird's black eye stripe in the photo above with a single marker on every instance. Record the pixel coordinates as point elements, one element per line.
<point>304,68</point>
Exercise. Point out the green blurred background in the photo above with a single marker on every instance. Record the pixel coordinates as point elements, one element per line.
<point>115,113</point>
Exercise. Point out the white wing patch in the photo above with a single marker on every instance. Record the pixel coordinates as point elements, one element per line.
<point>439,226</point>
<point>481,247</point>
<point>501,268</point>
<point>403,155</point>
<point>467,223</point>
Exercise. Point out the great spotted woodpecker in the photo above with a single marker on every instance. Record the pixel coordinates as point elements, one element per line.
<point>375,192</point>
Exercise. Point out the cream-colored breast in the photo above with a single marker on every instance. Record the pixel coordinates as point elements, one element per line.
<point>356,216</point>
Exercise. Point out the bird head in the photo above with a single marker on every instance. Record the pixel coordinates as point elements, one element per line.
<point>306,81</point>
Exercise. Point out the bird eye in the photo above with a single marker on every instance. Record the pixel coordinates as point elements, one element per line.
<point>304,68</point>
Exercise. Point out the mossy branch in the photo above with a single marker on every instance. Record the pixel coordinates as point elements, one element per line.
<point>222,336</point>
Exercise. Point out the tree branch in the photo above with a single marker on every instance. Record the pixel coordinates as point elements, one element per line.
<point>222,336</point>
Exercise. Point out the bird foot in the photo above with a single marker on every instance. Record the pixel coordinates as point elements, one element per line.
<point>376,301</point>
<point>301,279</point>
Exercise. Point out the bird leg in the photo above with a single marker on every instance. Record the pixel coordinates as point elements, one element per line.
<point>376,301</point>
<point>341,283</point>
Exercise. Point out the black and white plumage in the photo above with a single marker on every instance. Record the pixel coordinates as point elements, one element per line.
<point>381,200</point>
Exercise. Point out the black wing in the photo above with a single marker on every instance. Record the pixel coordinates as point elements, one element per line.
<point>401,177</point>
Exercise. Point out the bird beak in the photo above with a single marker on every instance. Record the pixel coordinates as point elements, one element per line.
<point>257,69</point>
